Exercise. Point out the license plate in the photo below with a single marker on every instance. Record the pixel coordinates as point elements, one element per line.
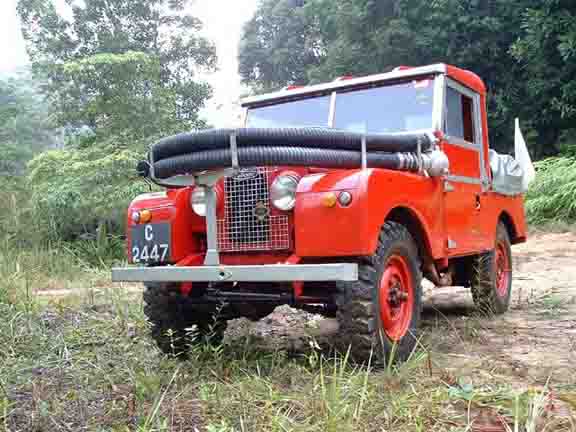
<point>150,243</point>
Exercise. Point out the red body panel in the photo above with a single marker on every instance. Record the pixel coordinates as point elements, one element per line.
<point>173,207</point>
<point>463,161</point>
<point>354,230</point>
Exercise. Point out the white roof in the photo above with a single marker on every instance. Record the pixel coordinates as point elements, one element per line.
<point>335,85</point>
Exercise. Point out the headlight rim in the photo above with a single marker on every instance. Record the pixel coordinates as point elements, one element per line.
<point>289,190</point>
<point>194,205</point>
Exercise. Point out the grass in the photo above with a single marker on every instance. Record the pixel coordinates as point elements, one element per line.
<point>552,196</point>
<point>86,363</point>
<point>76,369</point>
<point>553,306</point>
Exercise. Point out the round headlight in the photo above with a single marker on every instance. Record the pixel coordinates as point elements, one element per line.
<point>198,201</point>
<point>283,191</point>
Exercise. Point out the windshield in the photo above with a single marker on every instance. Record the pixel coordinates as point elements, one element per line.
<point>392,108</point>
<point>395,108</point>
<point>299,113</point>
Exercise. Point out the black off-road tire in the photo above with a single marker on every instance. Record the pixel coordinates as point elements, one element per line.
<point>173,315</point>
<point>358,302</point>
<point>485,277</point>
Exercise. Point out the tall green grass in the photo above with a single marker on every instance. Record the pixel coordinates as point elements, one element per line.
<point>31,260</point>
<point>552,196</point>
<point>24,270</point>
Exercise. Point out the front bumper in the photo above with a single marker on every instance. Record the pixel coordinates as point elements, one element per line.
<point>248,273</point>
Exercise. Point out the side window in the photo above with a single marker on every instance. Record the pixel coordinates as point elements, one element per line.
<point>459,115</point>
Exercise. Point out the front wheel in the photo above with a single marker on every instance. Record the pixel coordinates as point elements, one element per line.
<point>491,280</point>
<point>379,314</point>
<point>177,322</point>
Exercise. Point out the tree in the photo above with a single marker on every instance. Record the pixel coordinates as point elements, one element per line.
<point>279,45</point>
<point>76,190</point>
<point>121,74</point>
<point>158,28</point>
<point>25,126</point>
<point>477,35</point>
<point>547,51</point>
<point>115,93</point>
<point>361,37</point>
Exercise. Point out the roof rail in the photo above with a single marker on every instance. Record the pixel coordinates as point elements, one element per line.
<point>401,68</point>
<point>344,78</point>
<point>293,87</point>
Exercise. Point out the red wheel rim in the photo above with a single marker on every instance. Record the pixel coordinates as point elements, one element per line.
<point>396,298</point>
<point>502,269</point>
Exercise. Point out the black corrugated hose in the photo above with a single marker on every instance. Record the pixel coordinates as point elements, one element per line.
<point>318,147</point>
<point>273,156</point>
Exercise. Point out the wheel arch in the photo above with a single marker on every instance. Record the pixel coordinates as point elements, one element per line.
<point>413,223</point>
<point>508,222</point>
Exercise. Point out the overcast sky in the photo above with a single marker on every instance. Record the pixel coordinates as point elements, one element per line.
<point>223,20</point>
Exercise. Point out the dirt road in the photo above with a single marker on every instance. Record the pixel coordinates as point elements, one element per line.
<point>87,361</point>
<point>532,343</point>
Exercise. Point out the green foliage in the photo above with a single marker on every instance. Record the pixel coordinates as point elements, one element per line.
<point>159,28</point>
<point>279,43</point>
<point>25,126</point>
<point>16,218</point>
<point>547,51</point>
<point>552,196</point>
<point>119,75</point>
<point>113,93</point>
<point>523,50</point>
<point>73,190</point>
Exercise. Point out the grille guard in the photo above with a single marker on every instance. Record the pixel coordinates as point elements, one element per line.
<point>241,229</point>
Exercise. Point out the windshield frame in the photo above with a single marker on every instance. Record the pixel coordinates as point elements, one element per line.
<point>438,83</point>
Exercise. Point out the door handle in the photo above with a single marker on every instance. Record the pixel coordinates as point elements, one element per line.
<point>478,205</point>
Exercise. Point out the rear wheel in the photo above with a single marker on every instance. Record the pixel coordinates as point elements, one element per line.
<point>491,279</point>
<point>380,312</point>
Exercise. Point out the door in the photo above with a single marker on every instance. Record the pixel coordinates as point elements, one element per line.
<point>463,186</point>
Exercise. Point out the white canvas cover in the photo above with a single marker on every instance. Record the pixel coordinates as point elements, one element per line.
<point>523,157</point>
<point>512,175</point>
<point>507,174</point>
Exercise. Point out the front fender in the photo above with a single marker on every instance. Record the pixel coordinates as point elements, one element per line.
<point>321,231</point>
<point>170,207</point>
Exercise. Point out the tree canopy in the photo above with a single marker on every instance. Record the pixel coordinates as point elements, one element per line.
<point>118,74</point>
<point>546,49</point>
<point>90,43</point>
<point>25,124</point>
<point>280,43</point>
<point>509,44</point>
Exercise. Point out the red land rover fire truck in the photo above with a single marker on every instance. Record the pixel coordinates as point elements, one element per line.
<point>342,195</point>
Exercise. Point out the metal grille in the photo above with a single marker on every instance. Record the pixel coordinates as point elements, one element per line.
<point>247,223</point>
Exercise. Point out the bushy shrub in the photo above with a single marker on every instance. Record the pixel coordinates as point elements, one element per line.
<point>552,196</point>
<point>73,191</point>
